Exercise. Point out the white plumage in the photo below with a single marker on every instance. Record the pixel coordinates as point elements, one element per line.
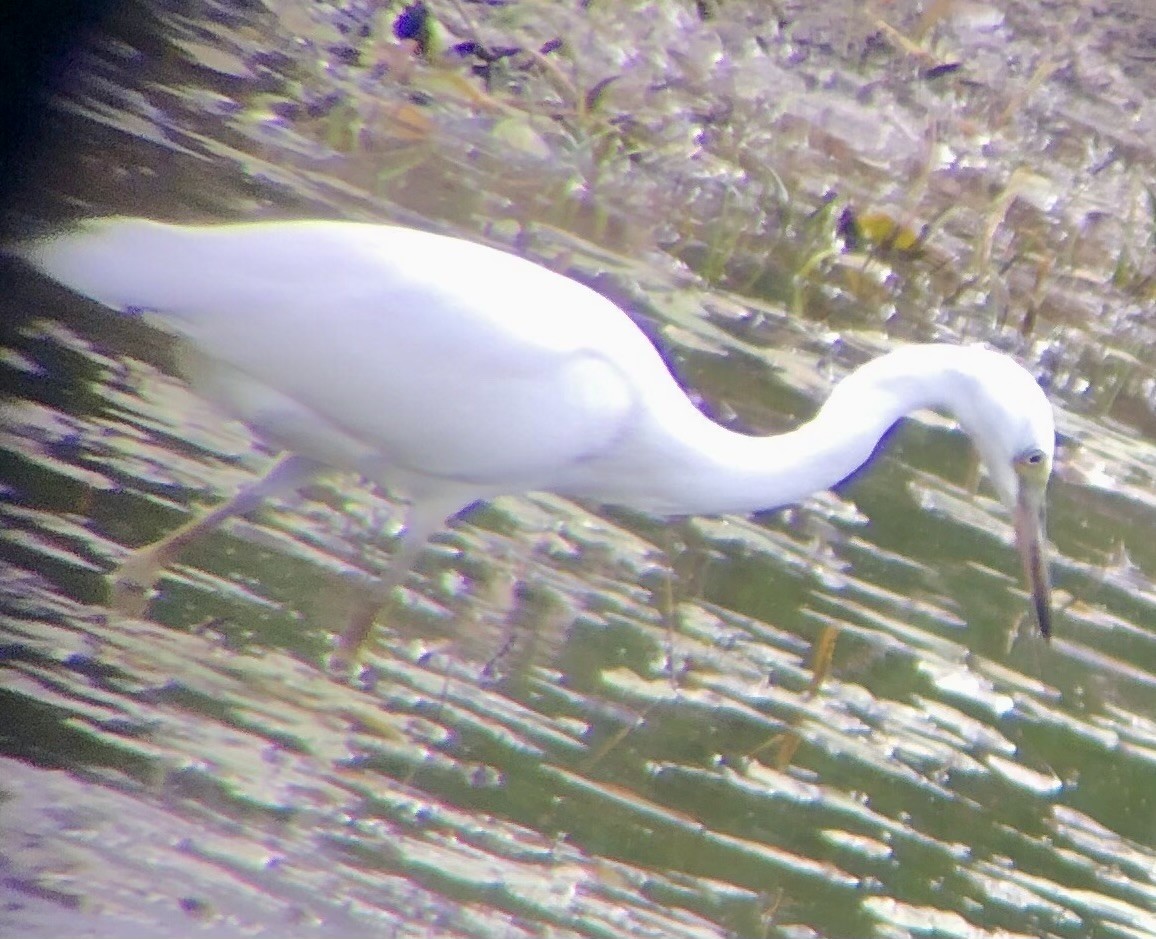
<point>453,372</point>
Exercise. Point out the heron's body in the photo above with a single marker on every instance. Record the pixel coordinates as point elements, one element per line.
<point>453,372</point>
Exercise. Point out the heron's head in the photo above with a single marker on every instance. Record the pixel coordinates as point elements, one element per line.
<point>1011,422</point>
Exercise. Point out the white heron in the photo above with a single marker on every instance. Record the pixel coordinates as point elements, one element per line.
<point>451,372</point>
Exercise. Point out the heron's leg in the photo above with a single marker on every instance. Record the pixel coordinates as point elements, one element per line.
<point>133,579</point>
<point>422,521</point>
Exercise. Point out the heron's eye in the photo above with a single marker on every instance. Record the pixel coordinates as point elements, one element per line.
<point>1032,459</point>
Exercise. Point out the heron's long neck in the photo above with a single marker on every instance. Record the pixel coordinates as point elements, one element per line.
<point>713,470</point>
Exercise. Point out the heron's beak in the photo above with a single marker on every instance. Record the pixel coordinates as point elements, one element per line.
<point>1031,539</point>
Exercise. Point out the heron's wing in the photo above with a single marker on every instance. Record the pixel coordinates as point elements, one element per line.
<point>446,357</point>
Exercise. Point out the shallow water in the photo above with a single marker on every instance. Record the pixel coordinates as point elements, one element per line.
<point>832,720</point>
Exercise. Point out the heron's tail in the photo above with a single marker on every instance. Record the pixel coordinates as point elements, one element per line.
<point>124,263</point>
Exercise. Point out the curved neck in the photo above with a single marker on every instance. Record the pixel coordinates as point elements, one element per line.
<point>715,471</point>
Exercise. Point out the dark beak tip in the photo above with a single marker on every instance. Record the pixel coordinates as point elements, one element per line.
<point>1030,535</point>
<point>1044,619</point>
